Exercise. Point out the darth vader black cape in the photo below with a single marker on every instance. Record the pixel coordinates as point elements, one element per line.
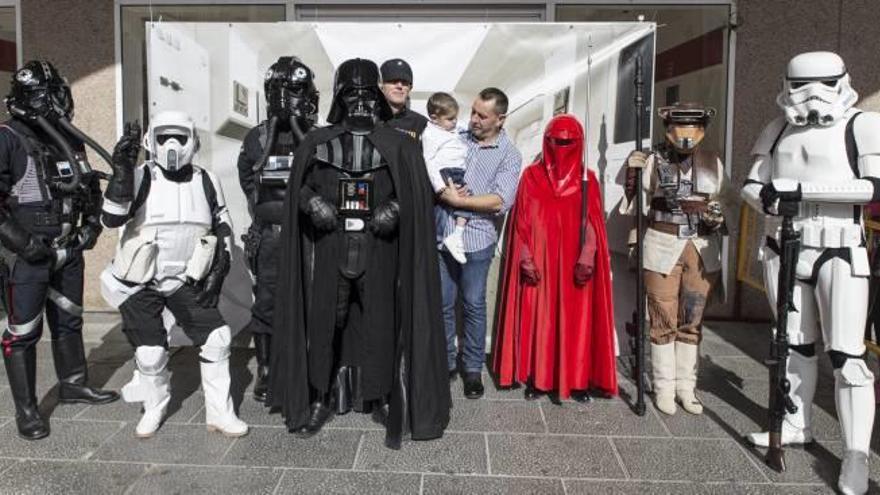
<point>420,400</point>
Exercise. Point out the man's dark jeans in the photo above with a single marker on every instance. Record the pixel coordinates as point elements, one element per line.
<point>469,280</point>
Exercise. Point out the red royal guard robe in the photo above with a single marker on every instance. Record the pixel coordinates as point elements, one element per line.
<point>556,334</point>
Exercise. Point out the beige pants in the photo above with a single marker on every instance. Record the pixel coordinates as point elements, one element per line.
<point>676,301</point>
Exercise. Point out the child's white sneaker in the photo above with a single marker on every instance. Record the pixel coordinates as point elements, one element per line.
<point>454,243</point>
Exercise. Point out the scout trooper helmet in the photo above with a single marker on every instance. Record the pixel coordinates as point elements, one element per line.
<point>172,140</point>
<point>816,90</point>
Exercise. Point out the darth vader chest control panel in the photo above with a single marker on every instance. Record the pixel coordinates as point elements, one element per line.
<point>355,196</point>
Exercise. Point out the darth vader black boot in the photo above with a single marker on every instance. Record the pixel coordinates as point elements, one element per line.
<point>322,410</point>
<point>263,346</point>
<point>21,369</point>
<point>70,365</point>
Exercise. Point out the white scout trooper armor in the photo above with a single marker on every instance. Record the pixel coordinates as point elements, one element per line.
<point>826,154</point>
<point>169,241</point>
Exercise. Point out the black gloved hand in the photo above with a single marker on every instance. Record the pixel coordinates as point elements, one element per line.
<point>124,160</point>
<point>213,283</point>
<point>88,236</point>
<point>37,251</point>
<point>385,220</point>
<point>780,203</point>
<point>321,213</point>
<point>251,241</point>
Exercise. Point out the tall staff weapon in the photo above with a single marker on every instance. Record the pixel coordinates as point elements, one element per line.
<point>780,402</point>
<point>584,174</point>
<point>636,328</point>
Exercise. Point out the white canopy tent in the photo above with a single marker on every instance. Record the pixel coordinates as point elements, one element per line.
<point>214,71</point>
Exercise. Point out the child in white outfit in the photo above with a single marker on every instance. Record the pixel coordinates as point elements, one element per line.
<point>445,155</point>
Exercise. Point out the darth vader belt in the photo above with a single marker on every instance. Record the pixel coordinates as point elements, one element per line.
<point>355,197</point>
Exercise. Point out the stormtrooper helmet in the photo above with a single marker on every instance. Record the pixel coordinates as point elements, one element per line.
<point>172,140</point>
<point>816,90</point>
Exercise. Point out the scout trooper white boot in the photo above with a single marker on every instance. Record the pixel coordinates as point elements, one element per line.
<point>214,360</point>
<point>149,385</point>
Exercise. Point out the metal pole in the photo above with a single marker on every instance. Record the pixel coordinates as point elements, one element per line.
<point>640,277</point>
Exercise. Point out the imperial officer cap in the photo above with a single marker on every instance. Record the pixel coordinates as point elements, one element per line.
<point>397,69</point>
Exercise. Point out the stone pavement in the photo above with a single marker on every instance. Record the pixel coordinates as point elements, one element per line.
<point>500,444</point>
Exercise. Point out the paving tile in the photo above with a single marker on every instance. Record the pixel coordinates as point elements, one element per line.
<point>7,407</point>
<point>356,420</point>
<point>485,485</point>
<point>717,421</point>
<point>585,487</point>
<point>52,409</point>
<point>453,453</point>
<point>743,339</point>
<point>111,351</point>
<point>553,456</point>
<point>172,444</point>
<point>743,367</point>
<point>120,376</point>
<point>678,459</point>
<point>311,482</point>
<point>717,347</point>
<point>68,440</point>
<point>818,462</point>
<point>264,446</point>
<point>751,398</point>
<point>164,480</point>
<point>87,478</point>
<point>600,417</point>
<point>7,463</point>
<point>478,415</point>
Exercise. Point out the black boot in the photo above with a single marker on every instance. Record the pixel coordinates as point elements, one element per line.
<point>532,393</point>
<point>70,364</point>
<point>322,411</point>
<point>262,345</point>
<point>21,370</point>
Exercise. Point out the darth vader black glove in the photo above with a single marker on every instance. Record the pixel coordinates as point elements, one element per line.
<point>321,213</point>
<point>385,220</point>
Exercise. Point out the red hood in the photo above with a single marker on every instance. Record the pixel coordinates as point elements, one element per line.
<point>564,162</point>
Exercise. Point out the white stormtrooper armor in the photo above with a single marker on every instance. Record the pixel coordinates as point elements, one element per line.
<point>165,260</point>
<point>830,152</point>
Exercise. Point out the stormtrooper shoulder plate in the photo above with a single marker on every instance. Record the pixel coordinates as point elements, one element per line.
<point>769,136</point>
<point>866,131</point>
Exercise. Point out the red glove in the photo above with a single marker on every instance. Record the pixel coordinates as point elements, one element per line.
<point>529,272</point>
<point>583,270</point>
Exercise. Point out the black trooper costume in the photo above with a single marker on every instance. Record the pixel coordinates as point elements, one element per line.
<point>263,171</point>
<point>50,203</point>
<point>359,206</point>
